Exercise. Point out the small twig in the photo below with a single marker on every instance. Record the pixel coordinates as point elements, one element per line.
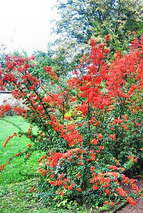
<point>12,124</point>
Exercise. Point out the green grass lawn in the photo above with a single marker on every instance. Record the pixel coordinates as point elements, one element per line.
<point>17,170</point>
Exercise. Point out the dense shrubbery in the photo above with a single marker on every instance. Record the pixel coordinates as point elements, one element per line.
<point>90,128</point>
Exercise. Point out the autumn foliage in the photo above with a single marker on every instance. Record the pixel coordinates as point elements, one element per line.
<point>90,127</point>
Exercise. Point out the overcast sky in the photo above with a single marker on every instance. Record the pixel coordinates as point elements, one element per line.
<point>25,24</point>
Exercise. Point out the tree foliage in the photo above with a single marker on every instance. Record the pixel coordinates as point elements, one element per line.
<point>55,58</point>
<point>82,19</point>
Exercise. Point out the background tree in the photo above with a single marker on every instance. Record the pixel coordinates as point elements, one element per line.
<point>54,58</point>
<point>82,19</point>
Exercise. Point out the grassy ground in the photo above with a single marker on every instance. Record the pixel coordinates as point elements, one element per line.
<point>16,197</point>
<point>18,177</point>
<point>14,172</point>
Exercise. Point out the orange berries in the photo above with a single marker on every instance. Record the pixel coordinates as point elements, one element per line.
<point>113,136</point>
<point>131,201</point>
<point>107,191</point>
<point>92,168</point>
<point>95,187</point>
<point>112,204</point>
<point>114,168</point>
<point>9,138</point>
<point>29,145</point>
<point>2,167</point>
<point>32,189</point>
<point>79,189</point>
<point>70,187</point>
<point>135,187</point>
<point>106,202</point>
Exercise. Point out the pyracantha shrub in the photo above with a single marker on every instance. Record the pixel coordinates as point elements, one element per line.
<point>90,127</point>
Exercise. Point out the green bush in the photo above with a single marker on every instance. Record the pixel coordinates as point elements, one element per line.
<point>90,128</point>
